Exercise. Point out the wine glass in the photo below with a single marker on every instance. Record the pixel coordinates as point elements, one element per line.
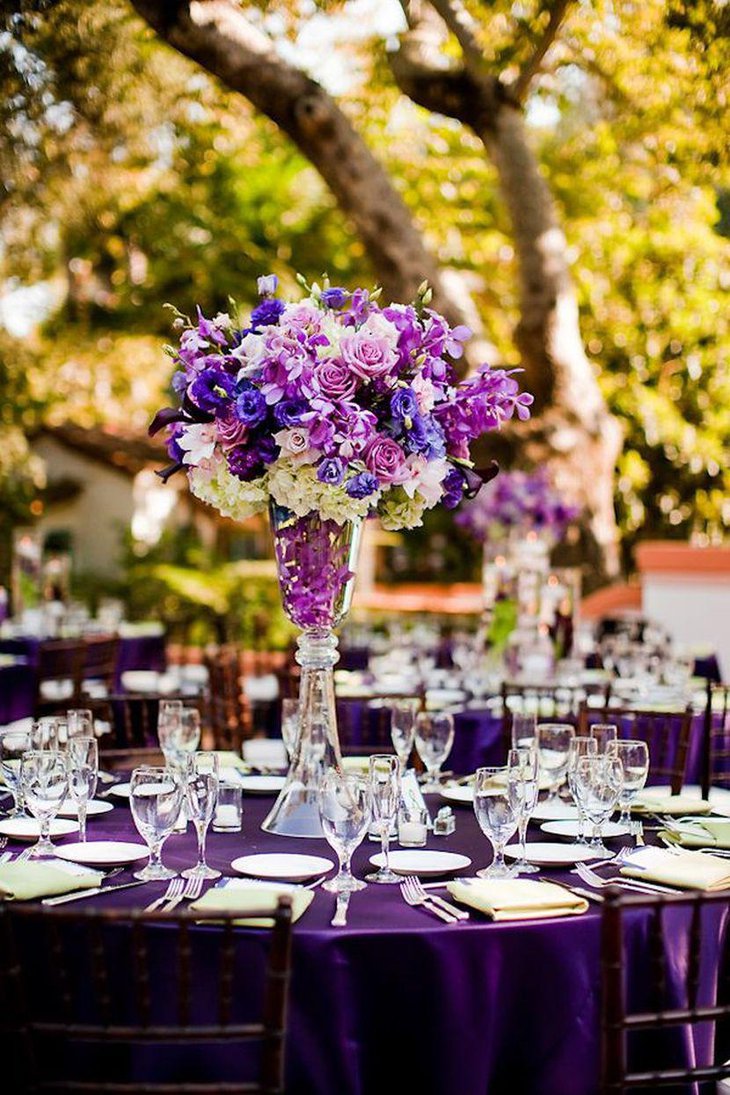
<point>168,719</point>
<point>553,742</point>
<point>80,723</point>
<point>13,744</point>
<point>44,782</point>
<point>580,746</point>
<point>497,809</point>
<point>155,797</point>
<point>344,806</point>
<point>525,765</point>
<point>403,728</point>
<point>598,784</point>
<point>524,731</point>
<point>604,734</point>
<point>179,733</point>
<point>44,733</point>
<point>384,798</point>
<point>82,760</point>
<point>434,738</point>
<point>290,725</point>
<point>201,791</point>
<point>634,757</point>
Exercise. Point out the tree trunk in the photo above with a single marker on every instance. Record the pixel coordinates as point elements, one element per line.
<point>216,34</point>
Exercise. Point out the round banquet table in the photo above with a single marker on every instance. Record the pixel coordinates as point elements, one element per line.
<point>399,1002</point>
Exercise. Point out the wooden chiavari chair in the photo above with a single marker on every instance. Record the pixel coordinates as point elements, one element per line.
<point>58,675</point>
<point>716,738</point>
<point>108,1000</point>
<point>131,718</point>
<point>229,712</point>
<point>643,1006</point>
<point>364,728</point>
<point>101,654</point>
<point>665,732</point>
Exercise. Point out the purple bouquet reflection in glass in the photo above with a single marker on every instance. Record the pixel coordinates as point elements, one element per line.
<point>314,559</point>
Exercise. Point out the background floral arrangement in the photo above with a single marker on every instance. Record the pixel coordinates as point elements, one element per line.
<point>518,502</point>
<point>331,405</point>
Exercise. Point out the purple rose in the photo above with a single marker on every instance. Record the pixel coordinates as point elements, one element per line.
<point>360,486</point>
<point>212,389</point>
<point>230,429</point>
<point>386,460</point>
<point>335,380</point>
<point>334,297</point>
<point>331,471</point>
<point>267,312</point>
<point>367,355</point>
<point>250,404</point>
<point>291,412</point>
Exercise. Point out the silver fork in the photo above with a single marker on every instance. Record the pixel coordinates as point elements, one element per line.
<point>619,856</point>
<point>191,890</point>
<point>416,886</point>
<point>411,898</point>
<point>592,879</point>
<point>174,887</point>
<point>23,856</point>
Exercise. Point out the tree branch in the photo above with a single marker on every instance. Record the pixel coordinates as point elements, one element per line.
<point>463,27</point>
<point>529,70</point>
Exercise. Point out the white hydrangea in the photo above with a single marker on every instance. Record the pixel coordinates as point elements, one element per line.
<point>229,495</point>
<point>398,511</point>
<point>297,487</point>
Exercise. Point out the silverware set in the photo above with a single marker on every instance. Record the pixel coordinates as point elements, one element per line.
<point>414,894</point>
<point>178,890</point>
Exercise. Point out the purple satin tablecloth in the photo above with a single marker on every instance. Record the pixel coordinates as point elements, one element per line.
<point>399,1002</point>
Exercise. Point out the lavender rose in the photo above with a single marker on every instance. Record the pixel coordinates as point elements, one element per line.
<point>231,430</point>
<point>386,460</point>
<point>367,355</point>
<point>335,380</point>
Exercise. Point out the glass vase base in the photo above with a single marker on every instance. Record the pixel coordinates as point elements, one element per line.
<point>295,813</point>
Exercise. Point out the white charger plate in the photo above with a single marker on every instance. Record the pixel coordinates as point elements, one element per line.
<point>570,829</point>
<point>103,853</point>
<point>262,785</point>
<point>28,828</point>
<point>462,795</point>
<point>423,862</point>
<point>549,854</point>
<point>291,867</point>
<point>555,811</point>
<point>120,790</point>
<point>70,808</point>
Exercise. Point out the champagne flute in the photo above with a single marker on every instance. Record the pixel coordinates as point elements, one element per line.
<point>525,765</point>
<point>384,797</point>
<point>553,742</point>
<point>201,790</point>
<point>344,806</point>
<point>155,797</point>
<point>13,744</point>
<point>524,731</point>
<point>44,781</point>
<point>580,746</point>
<point>634,757</point>
<point>82,759</point>
<point>497,809</point>
<point>604,734</point>
<point>434,738</point>
<point>403,729</point>
<point>598,782</point>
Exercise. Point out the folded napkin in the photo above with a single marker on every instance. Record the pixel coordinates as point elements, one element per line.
<point>230,762</point>
<point>27,880</point>
<point>672,805</point>
<point>686,870</point>
<point>252,897</point>
<point>520,899</point>
<point>700,833</point>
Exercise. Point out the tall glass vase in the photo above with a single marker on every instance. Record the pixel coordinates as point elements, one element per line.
<point>316,560</point>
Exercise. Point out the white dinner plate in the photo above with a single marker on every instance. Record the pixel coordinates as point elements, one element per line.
<point>461,794</point>
<point>262,785</point>
<point>570,829</point>
<point>103,853</point>
<point>548,854</point>
<point>119,790</point>
<point>291,867</point>
<point>96,806</point>
<point>555,811</point>
<point>28,828</point>
<point>423,862</point>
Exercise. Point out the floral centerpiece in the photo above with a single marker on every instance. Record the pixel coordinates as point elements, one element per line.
<point>326,411</point>
<point>516,504</point>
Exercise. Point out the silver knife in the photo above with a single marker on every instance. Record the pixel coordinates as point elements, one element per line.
<point>339,920</point>
<point>78,895</point>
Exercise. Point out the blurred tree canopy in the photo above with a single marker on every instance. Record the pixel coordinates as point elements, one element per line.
<point>131,177</point>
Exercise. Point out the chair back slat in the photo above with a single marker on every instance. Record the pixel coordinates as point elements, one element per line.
<point>140,971</point>
<point>716,738</point>
<point>101,655</point>
<point>58,674</point>
<point>229,710</point>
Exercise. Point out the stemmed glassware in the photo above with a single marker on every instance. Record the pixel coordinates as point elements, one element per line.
<point>168,720</point>
<point>44,783</point>
<point>384,797</point>
<point>604,734</point>
<point>634,758</point>
<point>82,761</point>
<point>524,764</point>
<point>434,738</point>
<point>580,746</point>
<point>44,733</point>
<point>80,723</point>
<point>524,731</point>
<point>497,809</point>
<point>403,728</point>
<point>344,804</point>
<point>155,797</point>
<point>201,791</point>
<point>553,742</point>
<point>13,744</point>
<point>598,784</point>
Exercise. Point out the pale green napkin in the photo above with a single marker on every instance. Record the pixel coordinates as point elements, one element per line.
<point>686,870</point>
<point>671,805</point>
<point>254,898</point>
<point>516,899</point>
<point>700,833</point>
<point>28,880</point>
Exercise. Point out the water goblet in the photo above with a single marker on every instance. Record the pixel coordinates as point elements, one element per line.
<point>634,757</point>
<point>44,781</point>
<point>80,723</point>
<point>524,731</point>
<point>44,733</point>
<point>155,797</point>
<point>403,728</point>
<point>384,798</point>
<point>524,763</point>
<point>580,746</point>
<point>13,744</point>
<point>168,720</point>
<point>82,761</point>
<point>598,783</point>
<point>290,725</point>
<point>497,810</point>
<point>603,733</point>
<point>434,738</point>
<point>553,742</point>
<point>201,791</point>
<point>344,806</point>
